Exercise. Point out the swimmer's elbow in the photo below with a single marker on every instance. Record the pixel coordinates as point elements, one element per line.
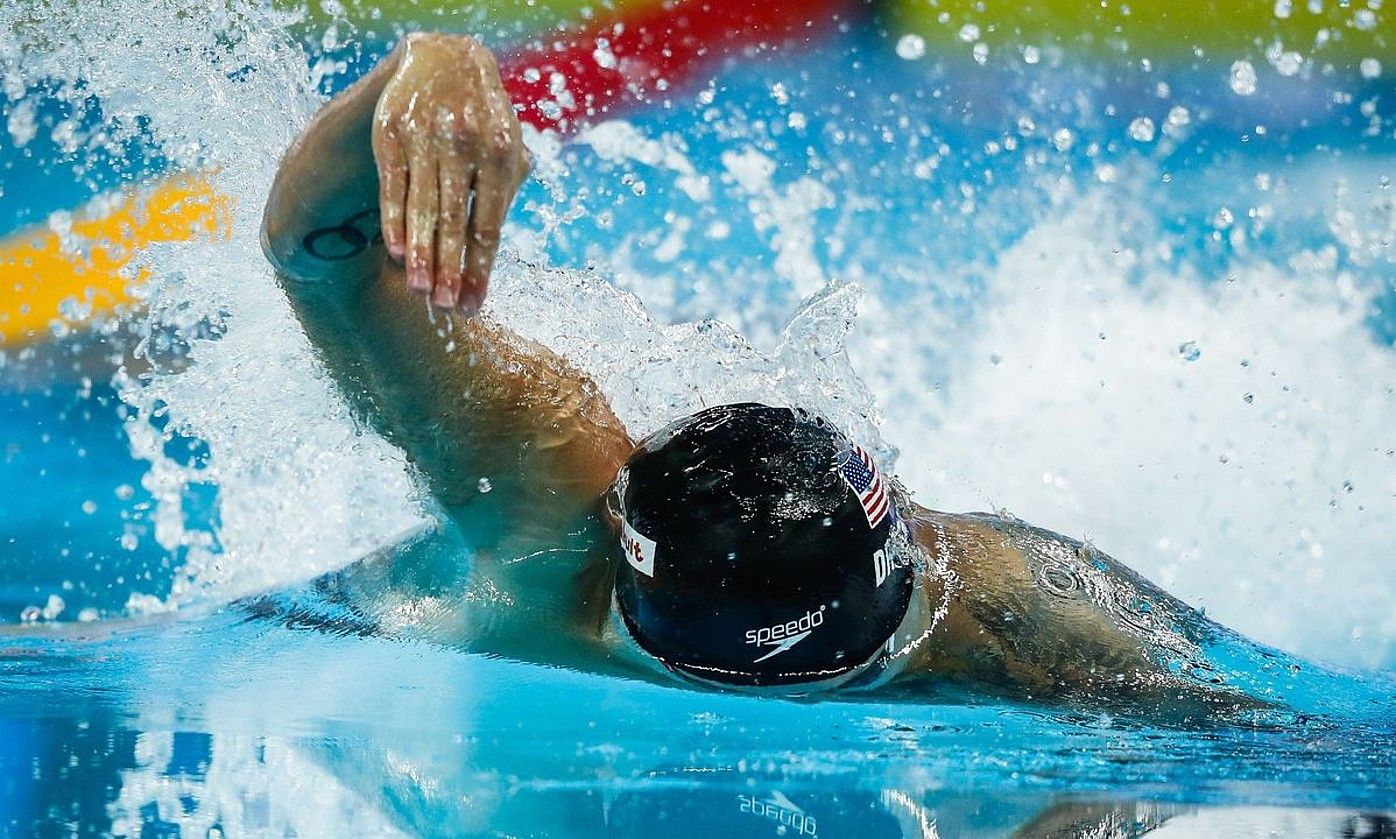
<point>270,250</point>
<point>284,243</point>
<point>293,221</point>
<point>278,245</point>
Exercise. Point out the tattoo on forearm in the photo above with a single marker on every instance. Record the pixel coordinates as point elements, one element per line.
<point>347,239</point>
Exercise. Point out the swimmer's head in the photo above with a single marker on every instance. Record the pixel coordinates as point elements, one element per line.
<point>757,548</point>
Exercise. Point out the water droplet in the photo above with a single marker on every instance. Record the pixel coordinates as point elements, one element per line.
<point>1142,129</point>
<point>484,485</point>
<point>911,47</point>
<point>969,33</point>
<point>89,506</point>
<point>88,615</point>
<point>1189,351</point>
<point>981,52</point>
<point>1178,118</point>
<point>1031,55</point>
<point>125,491</point>
<point>22,124</point>
<point>1243,79</point>
<point>1288,63</point>
<point>1371,68</point>
<point>603,56</point>
<point>1062,139</point>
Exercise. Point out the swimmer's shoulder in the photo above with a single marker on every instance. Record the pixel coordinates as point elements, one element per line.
<point>1045,612</point>
<point>995,550</point>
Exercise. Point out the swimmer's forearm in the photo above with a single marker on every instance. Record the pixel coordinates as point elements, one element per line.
<point>457,394</point>
<point>466,397</point>
<point>321,218</point>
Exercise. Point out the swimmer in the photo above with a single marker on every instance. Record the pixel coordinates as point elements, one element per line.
<point>747,547</point>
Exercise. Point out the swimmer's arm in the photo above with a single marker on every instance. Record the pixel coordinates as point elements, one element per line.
<point>1052,616</point>
<point>464,398</point>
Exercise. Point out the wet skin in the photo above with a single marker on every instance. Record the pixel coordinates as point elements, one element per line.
<point>1000,603</point>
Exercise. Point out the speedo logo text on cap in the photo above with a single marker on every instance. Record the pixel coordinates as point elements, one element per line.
<point>783,636</point>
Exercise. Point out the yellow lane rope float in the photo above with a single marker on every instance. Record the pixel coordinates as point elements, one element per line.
<point>43,269</point>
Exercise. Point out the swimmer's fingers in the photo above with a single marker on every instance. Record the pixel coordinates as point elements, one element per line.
<point>495,185</point>
<point>422,204</point>
<point>482,240</point>
<point>391,159</point>
<point>455,175</point>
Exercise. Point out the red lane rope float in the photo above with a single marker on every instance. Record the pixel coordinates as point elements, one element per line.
<point>577,77</point>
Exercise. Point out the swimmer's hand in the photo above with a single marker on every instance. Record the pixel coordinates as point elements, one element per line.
<point>450,157</point>
<point>427,141</point>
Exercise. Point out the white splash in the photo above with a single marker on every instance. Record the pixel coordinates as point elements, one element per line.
<point>785,213</point>
<point>617,141</point>
<point>1251,474</point>
<point>653,373</point>
<point>300,490</point>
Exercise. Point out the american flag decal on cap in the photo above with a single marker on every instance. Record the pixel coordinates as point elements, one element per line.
<point>861,475</point>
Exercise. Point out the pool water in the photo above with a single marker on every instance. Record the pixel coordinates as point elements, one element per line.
<point>1122,301</point>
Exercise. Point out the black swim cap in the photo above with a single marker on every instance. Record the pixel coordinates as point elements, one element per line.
<point>756,547</point>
